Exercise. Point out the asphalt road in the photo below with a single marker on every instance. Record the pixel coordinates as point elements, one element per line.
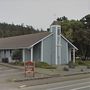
<point>81,84</point>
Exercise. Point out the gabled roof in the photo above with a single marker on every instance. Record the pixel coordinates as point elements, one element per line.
<point>26,41</point>
<point>69,42</point>
<point>23,41</point>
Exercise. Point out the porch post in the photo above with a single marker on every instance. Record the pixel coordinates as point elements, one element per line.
<point>42,51</point>
<point>73,55</point>
<point>32,54</point>
<point>23,55</point>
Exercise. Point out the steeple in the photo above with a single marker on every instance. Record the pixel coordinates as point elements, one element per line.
<point>55,23</point>
<point>55,27</point>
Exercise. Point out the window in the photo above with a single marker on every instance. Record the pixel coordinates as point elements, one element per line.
<point>4,52</point>
<point>10,52</point>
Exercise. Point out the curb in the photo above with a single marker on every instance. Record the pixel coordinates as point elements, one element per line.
<point>52,76</point>
<point>31,79</point>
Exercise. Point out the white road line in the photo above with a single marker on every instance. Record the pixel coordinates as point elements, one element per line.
<point>81,87</point>
<point>67,86</point>
<point>22,86</point>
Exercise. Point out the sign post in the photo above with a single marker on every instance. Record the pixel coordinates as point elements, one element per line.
<point>29,68</point>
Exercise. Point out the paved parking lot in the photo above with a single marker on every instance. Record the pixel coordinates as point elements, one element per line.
<point>7,74</point>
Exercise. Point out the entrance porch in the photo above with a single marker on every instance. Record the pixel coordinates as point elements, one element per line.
<point>25,54</point>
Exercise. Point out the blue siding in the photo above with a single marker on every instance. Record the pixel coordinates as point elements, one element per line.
<point>64,52</point>
<point>53,29</point>
<point>48,50</point>
<point>53,48</point>
<point>59,49</point>
<point>37,52</point>
<point>27,54</point>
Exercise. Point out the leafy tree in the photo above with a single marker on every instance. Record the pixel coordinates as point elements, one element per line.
<point>62,19</point>
<point>78,32</point>
<point>86,21</point>
<point>8,30</point>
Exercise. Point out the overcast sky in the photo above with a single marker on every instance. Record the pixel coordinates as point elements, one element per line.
<point>41,13</point>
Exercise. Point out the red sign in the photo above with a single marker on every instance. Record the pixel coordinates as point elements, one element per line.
<point>29,68</point>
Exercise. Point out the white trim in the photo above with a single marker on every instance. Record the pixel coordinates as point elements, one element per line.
<point>55,26</point>
<point>32,54</point>
<point>42,51</point>
<point>23,54</point>
<point>40,40</point>
<point>69,42</point>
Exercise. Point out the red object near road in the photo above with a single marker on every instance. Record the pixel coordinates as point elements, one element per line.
<point>29,68</point>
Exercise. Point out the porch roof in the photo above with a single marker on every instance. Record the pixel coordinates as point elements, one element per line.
<point>22,41</point>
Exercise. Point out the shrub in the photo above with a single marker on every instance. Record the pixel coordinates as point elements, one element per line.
<point>50,67</point>
<point>44,65</point>
<point>82,70</point>
<point>40,64</point>
<point>88,66</point>
<point>17,55</point>
<point>66,69</point>
<point>81,62</point>
<point>71,64</point>
<point>17,63</point>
